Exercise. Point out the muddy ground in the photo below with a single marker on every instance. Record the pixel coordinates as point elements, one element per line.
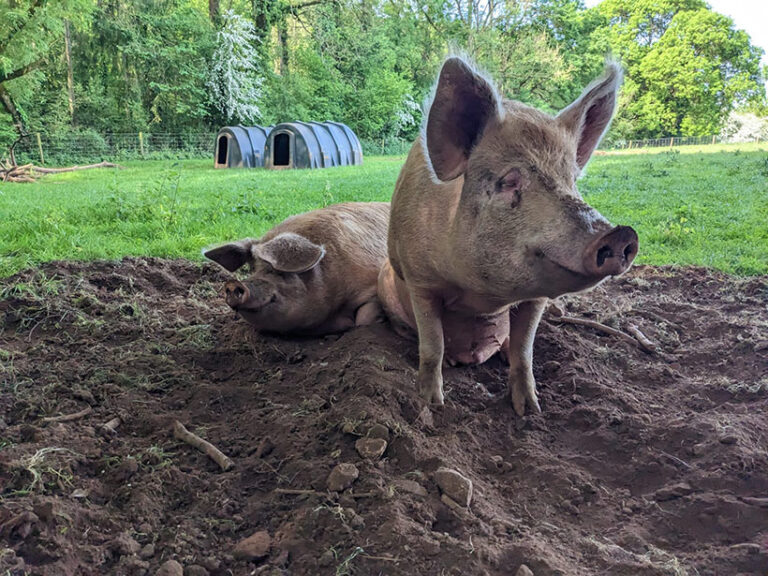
<point>640,464</point>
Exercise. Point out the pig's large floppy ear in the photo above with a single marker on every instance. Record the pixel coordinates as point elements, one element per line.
<point>463,105</point>
<point>231,256</point>
<point>589,116</point>
<point>289,252</point>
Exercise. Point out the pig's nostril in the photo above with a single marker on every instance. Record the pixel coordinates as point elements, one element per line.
<point>629,252</point>
<point>603,254</point>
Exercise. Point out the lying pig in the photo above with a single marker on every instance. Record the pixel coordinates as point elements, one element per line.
<point>487,224</point>
<point>312,274</point>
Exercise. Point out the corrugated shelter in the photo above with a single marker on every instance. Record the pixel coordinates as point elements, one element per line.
<point>312,145</point>
<point>240,146</point>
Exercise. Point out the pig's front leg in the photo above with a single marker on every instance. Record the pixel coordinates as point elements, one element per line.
<point>523,321</point>
<point>428,313</point>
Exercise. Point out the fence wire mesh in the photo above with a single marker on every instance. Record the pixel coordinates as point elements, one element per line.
<point>52,149</point>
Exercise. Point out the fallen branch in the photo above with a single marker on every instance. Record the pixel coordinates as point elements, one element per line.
<point>600,328</point>
<point>10,172</point>
<point>181,433</point>
<point>644,341</point>
<point>111,426</point>
<point>295,492</point>
<point>69,417</point>
<point>42,170</point>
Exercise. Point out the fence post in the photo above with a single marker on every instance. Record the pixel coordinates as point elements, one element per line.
<point>40,148</point>
<point>672,142</point>
<point>141,143</point>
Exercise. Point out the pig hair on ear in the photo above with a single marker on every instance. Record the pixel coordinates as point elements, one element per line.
<point>462,102</point>
<point>289,252</point>
<point>589,116</point>
<point>231,256</point>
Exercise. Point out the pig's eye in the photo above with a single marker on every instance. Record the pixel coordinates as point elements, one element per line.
<point>509,187</point>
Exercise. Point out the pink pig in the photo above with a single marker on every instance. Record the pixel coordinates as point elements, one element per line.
<point>487,224</point>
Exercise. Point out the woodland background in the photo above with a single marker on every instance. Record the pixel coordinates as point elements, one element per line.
<point>92,67</point>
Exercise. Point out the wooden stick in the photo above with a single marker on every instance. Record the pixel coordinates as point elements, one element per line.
<point>644,341</point>
<point>73,168</point>
<point>209,449</point>
<point>69,417</point>
<point>112,425</point>
<point>295,492</point>
<point>599,327</point>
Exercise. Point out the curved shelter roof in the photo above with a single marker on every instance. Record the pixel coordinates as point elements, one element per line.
<point>240,146</point>
<point>312,145</point>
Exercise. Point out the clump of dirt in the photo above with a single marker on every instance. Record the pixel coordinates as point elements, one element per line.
<point>640,464</point>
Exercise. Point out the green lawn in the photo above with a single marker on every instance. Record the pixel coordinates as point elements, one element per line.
<point>706,206</point>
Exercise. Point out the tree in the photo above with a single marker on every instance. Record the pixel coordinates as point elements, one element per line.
<point>235,84</point>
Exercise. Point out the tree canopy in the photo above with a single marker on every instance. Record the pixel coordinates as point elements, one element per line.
<point>191,66</point>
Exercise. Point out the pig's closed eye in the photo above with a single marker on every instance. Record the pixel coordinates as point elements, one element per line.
<point>510,186</point>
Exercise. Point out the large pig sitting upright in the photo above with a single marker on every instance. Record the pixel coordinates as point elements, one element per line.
<point>314,273</point>
<point>487,224</point>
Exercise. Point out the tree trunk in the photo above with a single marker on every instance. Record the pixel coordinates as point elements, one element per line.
<point>214,11</point>
<point>70,78</point>
<point>10,107</point>
<point>283,35</point>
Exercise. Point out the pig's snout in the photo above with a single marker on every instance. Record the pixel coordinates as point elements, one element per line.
<point>237,293</point>
<point>613,253</point>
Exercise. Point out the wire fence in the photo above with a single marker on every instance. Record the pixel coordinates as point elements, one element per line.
<point>90,146</point>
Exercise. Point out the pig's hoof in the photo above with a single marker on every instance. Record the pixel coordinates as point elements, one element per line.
<point>432,396</point>
<point>522,395</point>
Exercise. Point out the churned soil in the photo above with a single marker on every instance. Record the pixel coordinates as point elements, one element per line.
<point>641,463</point>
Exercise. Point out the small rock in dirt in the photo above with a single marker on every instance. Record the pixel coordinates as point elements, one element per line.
<point>379,431</point>
<point>79,494</point>
<point>127,468</point>
<point>524,571</point>
<point>254,547</point>
<point>195,570</point>
<point>342,477</point>
<point>44,510</point>
<point>729,439</point>
<point>425,418</point>
<point>550,367</point>
<point>371,448</point>
<point>410,486</point>
<point>170,568</point>
<point>327,558</point>
<point>672,492</point>
<point>457,486</point>
<point>124,545</point>
<point>762,345</point>
<point>148,551</point>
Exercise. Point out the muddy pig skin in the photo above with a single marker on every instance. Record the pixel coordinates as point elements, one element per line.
<point>487,224</point>
<point>312,274</point>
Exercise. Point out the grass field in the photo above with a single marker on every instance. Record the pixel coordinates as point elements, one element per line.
<point>706,206</point>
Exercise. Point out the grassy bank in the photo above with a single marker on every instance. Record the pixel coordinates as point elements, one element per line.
<point>707,206</point>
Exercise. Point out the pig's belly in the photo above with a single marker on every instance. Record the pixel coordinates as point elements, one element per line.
<point>473,339</point>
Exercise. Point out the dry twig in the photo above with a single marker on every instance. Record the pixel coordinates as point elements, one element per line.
<point>181,433</point>
<point>600,328</point>
<point>644,341</point>
<point>69,417</point>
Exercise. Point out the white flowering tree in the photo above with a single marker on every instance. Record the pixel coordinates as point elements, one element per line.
<point>745,127</point>
<point>235,83</point>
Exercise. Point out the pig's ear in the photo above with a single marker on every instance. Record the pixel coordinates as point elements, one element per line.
<point>231,256</point>
<point>463,105</point>
<point>589,116</point>
<point>290,252</point>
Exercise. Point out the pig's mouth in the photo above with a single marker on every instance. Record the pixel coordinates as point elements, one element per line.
<point>250,309</point>
<point>545,257</point>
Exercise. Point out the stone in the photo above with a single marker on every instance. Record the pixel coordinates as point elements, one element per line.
<point>44,510</point>
<point>170,568</point>
<point>455,485</point>
<point>195,570</point>
<point>371,448</point>
<point>410,487</point>
<point>379,431</point>
<point>342,477</point>
<point>524,571</point>
<point>126,469</point>
<point>148,551</point>
<point>124,545</point>
<point>327,558</point>
<point>254,547</point>
<point>672,492</point>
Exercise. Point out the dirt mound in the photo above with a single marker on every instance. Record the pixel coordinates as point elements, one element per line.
<point>640,464</point>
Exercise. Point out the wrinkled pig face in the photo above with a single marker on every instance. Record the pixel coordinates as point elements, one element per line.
<point>274,296</point>
<point>522,226</point>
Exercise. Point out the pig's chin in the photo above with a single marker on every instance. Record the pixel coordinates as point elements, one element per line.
<point>562,279</point>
